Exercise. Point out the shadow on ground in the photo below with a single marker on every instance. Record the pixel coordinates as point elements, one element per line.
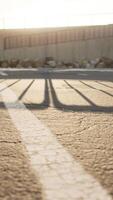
<point>90,140</point>
<point>49,89</point>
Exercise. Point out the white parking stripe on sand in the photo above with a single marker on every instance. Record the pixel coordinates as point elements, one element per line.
<point>61,176</point>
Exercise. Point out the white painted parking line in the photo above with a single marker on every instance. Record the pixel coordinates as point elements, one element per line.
<point>61,176</point>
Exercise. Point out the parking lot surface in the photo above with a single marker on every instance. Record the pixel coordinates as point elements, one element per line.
<point>56,134</point>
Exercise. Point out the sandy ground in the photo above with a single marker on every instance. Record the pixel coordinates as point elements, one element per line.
<point>80,114</point>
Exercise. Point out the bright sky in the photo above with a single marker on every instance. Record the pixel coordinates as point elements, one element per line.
<point>52,13</point>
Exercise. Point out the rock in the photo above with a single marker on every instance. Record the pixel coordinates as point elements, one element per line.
<point>52,63</point>
<point>37,63</point>
<point>105,62</point>
<point>4,64</point>
<point>19,66</point>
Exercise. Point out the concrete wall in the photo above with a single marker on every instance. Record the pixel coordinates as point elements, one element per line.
<point>65,51</point>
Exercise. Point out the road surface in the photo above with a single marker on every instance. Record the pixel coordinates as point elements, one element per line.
<point>56,134</point>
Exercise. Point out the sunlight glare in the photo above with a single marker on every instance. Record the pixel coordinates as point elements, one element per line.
<point>52,13</point>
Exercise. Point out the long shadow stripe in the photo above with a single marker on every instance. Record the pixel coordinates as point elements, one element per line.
<point>25,91</point>
<point>9,85</point>
<point>45,103</point>
<point>109,94</point>
<point>104,84</point>
<point>87,99</point>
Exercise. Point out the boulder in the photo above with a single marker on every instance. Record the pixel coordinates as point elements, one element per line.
<point>105,62</point>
